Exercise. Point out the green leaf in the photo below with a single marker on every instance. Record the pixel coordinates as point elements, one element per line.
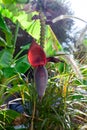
<point>52,44</point>
<point>8,1</point>
<point>22,64</point>
<point>5,58</point>
<point>3,25</point>
<point>76,96</point>
<point>49,49</point>
<point>34,29</point>
<point>6,30</point>
<point>2,42</point>
<point>9,72</point>
<point>26,47</point>
<point>22,1</point>
<point>16,89</point>
<point>8,116</point>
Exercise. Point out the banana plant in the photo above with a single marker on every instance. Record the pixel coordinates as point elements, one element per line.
<point>37,58</point>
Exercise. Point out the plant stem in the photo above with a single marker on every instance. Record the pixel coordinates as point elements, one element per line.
<point>16,34</point>
<point>42,30</point>
<point>32,123</point>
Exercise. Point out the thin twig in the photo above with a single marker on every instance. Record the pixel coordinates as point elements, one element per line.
<point>67,17</point>
<point>32,123</point>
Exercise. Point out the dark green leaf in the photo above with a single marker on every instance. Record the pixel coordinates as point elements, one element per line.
<point>6,30</point>
<point>3,25</point>
<point>22,64</point>
<point>5,58</point>
<point>8,116</point>
<point>9,72</point>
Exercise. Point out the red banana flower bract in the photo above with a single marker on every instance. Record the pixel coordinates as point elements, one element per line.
<point>36,55</point>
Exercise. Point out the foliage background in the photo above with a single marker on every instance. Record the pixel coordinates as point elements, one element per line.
<point>64,104</point>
